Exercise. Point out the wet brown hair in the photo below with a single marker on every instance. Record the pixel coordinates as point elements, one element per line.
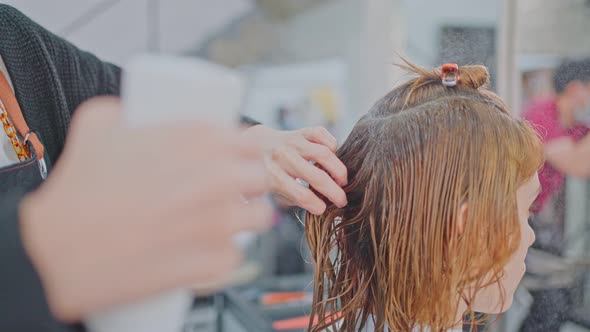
<point>394,254</point>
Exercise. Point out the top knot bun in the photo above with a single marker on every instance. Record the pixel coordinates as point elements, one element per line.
<point>473,76</point>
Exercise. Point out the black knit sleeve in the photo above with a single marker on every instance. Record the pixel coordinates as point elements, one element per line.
<point>81,74</point>
<point>247,121</point>
<point>51,76</point>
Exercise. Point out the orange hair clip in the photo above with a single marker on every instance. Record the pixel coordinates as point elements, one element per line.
<point>450,74</point>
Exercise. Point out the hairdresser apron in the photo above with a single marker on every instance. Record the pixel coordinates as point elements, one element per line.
<point>31,169</point>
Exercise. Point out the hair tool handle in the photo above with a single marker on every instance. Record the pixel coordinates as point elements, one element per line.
<point>168,90</point>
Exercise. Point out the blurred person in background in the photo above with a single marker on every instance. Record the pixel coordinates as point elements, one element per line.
<point>84,239</point>
<point>562,122</point>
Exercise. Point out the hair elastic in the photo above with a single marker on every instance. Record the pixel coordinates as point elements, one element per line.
<point>450,74</point>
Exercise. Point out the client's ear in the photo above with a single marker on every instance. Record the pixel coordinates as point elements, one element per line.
<point>461,218</point>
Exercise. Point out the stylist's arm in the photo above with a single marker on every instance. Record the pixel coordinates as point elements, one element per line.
<point>288,156</point>
<point>127,213</point>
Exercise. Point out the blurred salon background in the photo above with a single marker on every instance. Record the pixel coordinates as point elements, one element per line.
<point>324,62</point>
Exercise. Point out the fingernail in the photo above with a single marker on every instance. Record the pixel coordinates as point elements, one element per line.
<point>344,182</point>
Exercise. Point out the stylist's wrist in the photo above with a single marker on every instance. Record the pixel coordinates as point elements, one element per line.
<point>257,131</point>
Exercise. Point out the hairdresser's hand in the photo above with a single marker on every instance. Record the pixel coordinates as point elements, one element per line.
<point>128,212</point>
<point>288,155</point>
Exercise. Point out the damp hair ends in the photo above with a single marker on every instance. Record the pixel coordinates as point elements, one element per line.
<point>394,255</point>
